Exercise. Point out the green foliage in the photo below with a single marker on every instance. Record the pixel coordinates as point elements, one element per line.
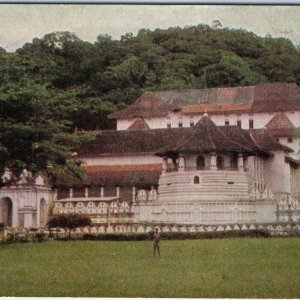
<point>177,235</point>
<point>16,238</point>
<point>69,221</point>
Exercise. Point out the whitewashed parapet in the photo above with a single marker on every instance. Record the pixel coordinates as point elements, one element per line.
<point>277,228</point>
<point>91,207</point>
<point>267,194</point>
<point>288,209</point>
<point>144,195</point>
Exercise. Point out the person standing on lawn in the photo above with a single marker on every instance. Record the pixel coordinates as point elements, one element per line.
<point>156,240</point>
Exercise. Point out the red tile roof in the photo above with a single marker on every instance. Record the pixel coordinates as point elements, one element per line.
<point>113,178</point>
<point>281,126</point>
<point>265,140</point>
<point>207,137</point>
<point>138,124</point>
<point>122,168</point>
<point>201,108</point>
<point>269,97</point>
<point>128,142</point>
<point>147,106</point>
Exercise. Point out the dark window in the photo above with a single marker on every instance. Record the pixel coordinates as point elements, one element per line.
<point>196,180</point>
<point>180,124</point>
<point>192,123</point>
<point>220,162</point>
<point>226,122</point>
<point>78,192</point>
<point>200,163</point>
<point>290,140</point>
<point>234,162</point>
<point>63,193</point>
<point>169,125</point>
<point>94,191</point>
<point>251,123</point>
<point>239,123</point>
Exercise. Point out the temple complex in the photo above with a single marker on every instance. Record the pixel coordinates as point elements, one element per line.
<point>220,156</point>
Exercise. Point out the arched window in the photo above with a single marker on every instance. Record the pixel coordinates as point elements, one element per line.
<point>251,123</point>
<point>6,211</point>
<point>196,180</point>
<point>220,163</point>
<point>200,163</point>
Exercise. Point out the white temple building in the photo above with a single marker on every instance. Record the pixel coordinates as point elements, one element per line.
<point>220,156</point>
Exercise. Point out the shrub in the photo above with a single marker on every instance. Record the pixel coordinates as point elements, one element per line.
<point>16,238</point>
<point>176,235</point>
<point>40,237</point>
<point>69,221</point>
<point>116,237</point>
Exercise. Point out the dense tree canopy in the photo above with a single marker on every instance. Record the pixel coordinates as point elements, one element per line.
<point>58,83</point>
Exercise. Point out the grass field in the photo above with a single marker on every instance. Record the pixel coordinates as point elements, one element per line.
<point>235,268</point>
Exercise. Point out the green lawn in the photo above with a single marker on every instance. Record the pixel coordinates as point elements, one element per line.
<point>235,268</point>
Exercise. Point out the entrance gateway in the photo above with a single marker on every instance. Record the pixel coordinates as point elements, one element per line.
<point>25,203</point>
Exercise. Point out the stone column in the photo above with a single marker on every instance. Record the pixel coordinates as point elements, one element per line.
<point>181,163</point>
<point>102,192</point>
<point>71,192</point>
<point>15,214</point>
<point>86,192</point>
<point>118,191</point>
<point>213,161</point>
<point>241,163</point>
<point>38,211</point>
<point>55,194</point>
<point>165,165</point>
<point>133,194</point>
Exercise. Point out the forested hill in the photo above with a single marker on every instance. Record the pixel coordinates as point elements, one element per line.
<point>87,81</point>
<point>58,83</point>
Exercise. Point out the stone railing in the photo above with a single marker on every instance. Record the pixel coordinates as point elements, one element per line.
<point>96,207</point>
<point>288,209</point>
<point>275,229</point>
<point>278,228</point>
<point>145,195</point>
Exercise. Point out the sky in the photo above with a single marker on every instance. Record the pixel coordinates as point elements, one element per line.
<point>20,23</point>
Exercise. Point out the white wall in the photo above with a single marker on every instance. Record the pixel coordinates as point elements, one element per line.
<point>295,145</point>
<point>121,160</point>
<point>278,173</point>
<point>260,120</point>
<point>294,117</point>
<point>123,124</point>
<point>295,182</point>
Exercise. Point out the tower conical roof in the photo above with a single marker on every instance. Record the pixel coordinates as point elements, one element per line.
<point>206,137</point>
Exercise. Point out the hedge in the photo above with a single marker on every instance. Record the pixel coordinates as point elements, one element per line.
<point>176,235</point>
